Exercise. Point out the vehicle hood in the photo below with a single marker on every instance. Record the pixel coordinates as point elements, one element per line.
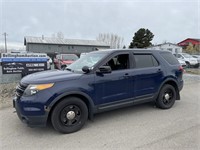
<point>67,61</point>
<point>181,61</point>
<point>50,76</point>
<point>191,59</point>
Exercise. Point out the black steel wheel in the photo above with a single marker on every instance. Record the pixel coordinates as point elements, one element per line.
<point>167,97</point>
<point>69,115</point>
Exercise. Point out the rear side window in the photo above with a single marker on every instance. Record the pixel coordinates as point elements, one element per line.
<point>145,60</point>
<point>171,59</point>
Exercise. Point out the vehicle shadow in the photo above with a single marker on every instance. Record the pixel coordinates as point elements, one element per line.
<point>105,117</point>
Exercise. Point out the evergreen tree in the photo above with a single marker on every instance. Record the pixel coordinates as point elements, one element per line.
<point>142,39</point>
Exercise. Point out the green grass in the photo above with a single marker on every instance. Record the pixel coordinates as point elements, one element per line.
<point>193,71</point>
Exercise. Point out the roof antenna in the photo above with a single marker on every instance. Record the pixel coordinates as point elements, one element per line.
<point>42,37</point>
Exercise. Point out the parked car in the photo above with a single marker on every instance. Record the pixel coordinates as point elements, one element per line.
<point>197,57</point>
<point>83,54</point>
<point>49,62</point>
<point>61,61</point>
<point>182,62</point>
<point>100,81</point>
<point>189,60</point>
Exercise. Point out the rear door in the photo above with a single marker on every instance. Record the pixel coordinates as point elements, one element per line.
<point>147,75</point>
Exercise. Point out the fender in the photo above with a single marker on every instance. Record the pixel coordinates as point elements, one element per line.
<point>164,82</point>
<point>88,98</point>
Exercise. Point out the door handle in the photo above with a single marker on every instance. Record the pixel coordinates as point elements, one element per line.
<point>126,75</point>
<point>159,70</point>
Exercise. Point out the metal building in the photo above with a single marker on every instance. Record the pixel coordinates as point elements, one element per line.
<point>53,46</point>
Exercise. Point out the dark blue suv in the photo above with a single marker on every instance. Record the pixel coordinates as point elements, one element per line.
<point>99,81</point>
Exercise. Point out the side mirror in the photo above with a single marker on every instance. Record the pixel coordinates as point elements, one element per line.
<point>104,69</point>
<point>86,69</point>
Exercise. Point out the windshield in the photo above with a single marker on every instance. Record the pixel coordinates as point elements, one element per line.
<point>187,56</point>
<point>88,60</point>
<point>69,57</point>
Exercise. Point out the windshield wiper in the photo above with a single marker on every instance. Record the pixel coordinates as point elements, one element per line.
<point>69,69</point>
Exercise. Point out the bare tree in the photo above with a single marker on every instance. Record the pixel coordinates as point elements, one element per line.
<point>190,48</point>
<point>53,35</point>
<point>60,35</point>
<point>111,39</point>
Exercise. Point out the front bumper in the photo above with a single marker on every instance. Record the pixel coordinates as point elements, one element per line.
<point>30,120</point>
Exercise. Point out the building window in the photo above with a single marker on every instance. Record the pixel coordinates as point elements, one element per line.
<point>72,47</point>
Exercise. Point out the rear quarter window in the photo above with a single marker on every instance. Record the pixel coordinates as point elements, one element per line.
<point>171,59</point>
<point>145,61</point>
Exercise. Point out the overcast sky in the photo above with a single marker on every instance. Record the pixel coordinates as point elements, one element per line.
<point>169,20</point>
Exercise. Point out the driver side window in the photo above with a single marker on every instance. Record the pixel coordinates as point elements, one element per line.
<point>119,62</point>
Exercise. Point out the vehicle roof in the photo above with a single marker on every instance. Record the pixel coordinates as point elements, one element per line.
<point>128,50</point>
<point>66,54</point>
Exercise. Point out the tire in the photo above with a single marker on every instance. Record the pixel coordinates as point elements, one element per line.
<point>188,64</point>
<point>63,67</point>
<point>166,97</point>
<point>197,65</point>
<point>55,66</point>
<point>69,115</point>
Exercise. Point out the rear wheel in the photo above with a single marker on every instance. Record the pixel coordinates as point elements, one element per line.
<point>197,65</point>
<point>167,97</point>
<point>69,115</point>
<point>188,64</point>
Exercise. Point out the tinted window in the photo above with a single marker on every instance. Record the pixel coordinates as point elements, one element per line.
<point>145,60</point>
<point>170,58</point>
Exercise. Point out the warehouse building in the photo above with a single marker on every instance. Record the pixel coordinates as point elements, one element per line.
<point>53,46</point>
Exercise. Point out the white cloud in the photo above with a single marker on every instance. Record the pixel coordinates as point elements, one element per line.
<point>171,20</point>
<point>34,20</point>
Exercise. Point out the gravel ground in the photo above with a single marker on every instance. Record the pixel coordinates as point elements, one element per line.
<point>191,78</point>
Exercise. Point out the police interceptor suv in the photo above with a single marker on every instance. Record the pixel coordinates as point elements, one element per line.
<point>100,81</point>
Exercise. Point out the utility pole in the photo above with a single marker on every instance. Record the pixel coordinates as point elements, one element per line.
<point>5,34</point>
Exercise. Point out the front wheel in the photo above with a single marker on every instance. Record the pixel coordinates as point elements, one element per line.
<point>69,115</point>
<point>167,97</point>
<point>63,67</point>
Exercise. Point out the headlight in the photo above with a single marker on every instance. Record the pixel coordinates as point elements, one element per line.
<point>33,89</point>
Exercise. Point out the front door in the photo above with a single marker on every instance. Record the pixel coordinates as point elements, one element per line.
<point>114,86</point>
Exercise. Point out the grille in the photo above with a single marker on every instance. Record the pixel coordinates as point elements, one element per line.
<point>20,89</point>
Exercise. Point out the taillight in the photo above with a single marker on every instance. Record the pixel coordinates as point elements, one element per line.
<point>180,68</point>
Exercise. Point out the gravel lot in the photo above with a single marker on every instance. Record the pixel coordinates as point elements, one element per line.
<point>142,127</point>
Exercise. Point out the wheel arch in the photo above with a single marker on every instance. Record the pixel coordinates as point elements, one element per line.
<point>174,84</point>
<point>85,98</point>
